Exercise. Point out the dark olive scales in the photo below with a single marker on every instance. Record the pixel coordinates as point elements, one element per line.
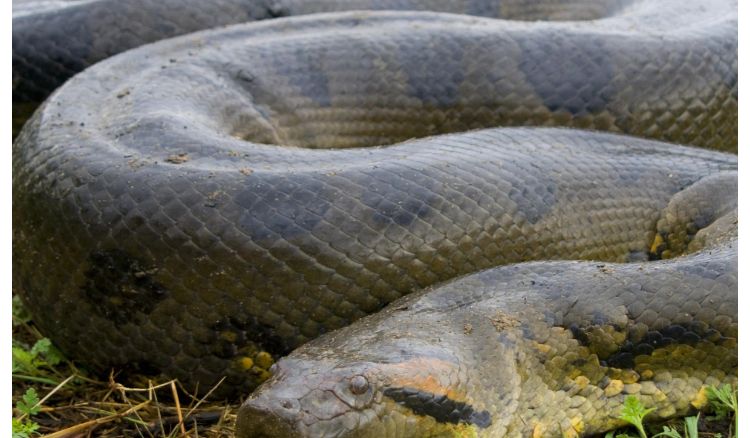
<point>206,204</point>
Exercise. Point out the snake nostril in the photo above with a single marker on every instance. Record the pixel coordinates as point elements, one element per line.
<point>286,404</point>
<point>274,369</point>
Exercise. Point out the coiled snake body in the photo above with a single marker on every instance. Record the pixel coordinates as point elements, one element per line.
<point>206,204</point>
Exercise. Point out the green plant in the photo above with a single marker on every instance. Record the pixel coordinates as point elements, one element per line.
<point>668,432</point>
<point>37,360</point>
<point>691,426</point>
<point>691,429</point>
<point>29,405</point>
<point>23,428</point>
<point>723,402</point>
<point>36,363</point>
<point>634,412</point>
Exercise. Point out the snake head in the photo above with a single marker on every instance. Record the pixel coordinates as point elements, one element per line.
<point>402,394</point>
<point>307,398</point>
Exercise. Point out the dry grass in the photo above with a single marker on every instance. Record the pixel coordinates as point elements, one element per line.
<point>73,404</point>
<point>80,407</point>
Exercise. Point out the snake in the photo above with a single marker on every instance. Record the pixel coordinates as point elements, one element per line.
<point>229,205</point>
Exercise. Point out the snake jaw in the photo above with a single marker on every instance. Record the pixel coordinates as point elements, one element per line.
<point>310,398</point>
<point>257,419</point>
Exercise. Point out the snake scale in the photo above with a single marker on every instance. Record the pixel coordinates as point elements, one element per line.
<point>204,205</point>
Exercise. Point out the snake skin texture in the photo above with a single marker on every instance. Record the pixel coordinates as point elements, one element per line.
<point>55,39</point>
<point>675,64</point>
<point>562,343</point>
<point>201,206</point>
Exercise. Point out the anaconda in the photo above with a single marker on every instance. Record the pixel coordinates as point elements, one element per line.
<point>205,204</point>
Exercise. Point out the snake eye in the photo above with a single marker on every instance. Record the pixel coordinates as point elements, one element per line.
<point>358,385</point>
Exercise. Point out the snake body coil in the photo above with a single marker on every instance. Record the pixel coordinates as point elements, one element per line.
<point>208,203</point>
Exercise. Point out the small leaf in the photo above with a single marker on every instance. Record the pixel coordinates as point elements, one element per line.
<point>723,400</point>
<point>23,429</point>
<point>23,361</point>
<point>668,432</point>
<point>634,412</point>
<point>44,348</point>
<point>29,402</point>
<point>691,426</point>
<point>724,403</point>
<point>41,347</point>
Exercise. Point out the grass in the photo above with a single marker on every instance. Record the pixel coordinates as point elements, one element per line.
<point>55,398</point>
<point>75,404</point>
<point>723,403</point>
<point>115,410</point>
